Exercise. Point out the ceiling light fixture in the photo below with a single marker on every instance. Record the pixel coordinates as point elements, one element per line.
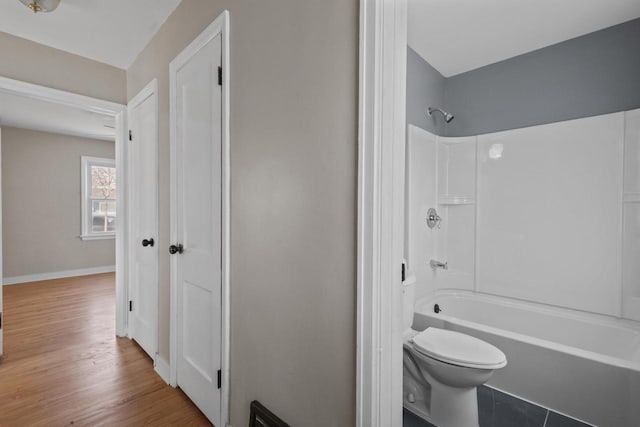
<point>41,5</point>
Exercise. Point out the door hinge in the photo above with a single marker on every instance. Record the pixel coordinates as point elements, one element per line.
<point>0,320</point>
<point>219,379</point>
<point>130,305</point>
<point>404,272</point>
<point>130,135</point>
<point>219,76</point>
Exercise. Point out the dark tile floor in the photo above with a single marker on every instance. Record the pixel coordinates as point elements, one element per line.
<point>502,410</point>
<point>557,420</point>
<point>410,420</point>
<point>497,409</point>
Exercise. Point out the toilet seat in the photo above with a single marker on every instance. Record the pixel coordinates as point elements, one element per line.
<point>458,349</point>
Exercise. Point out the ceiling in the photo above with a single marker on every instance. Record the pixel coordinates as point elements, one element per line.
<point>109,31</point>
<point>28,113</point>
<point>455,36</point>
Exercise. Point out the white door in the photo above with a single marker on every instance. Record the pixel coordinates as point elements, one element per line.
<point>197,222</point>
<point>143,232</point>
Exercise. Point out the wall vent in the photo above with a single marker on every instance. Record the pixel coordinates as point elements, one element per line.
<point>262,417</point>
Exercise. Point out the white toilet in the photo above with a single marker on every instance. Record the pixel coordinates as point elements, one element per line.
<point>442,370</point>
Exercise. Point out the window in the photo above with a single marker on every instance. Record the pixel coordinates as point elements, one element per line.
<point>98,198</point>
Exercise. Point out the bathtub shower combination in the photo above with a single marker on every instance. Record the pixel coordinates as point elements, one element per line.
<point>529,240</point>
<point>583,365</point>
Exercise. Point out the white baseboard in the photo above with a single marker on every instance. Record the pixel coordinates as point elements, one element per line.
<point>161,367</point>
<point>57,275</point>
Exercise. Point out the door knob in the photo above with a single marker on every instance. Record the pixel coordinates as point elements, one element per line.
<point>176,249</point>
<point>147,242</point>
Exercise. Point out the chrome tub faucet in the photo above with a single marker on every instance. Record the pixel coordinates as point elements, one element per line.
<point>437,264</point>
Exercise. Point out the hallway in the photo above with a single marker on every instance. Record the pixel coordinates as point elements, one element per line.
<point>63,365</point>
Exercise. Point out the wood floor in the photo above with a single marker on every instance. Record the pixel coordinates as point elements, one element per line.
<point>63,365</point>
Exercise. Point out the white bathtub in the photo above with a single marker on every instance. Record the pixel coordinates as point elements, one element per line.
<point>583,365</point>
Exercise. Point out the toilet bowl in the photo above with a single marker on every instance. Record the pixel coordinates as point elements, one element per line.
<point>442,370</point>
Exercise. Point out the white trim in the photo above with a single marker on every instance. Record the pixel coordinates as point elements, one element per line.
<point>122,230</point>
<point>219,26</point>
<point>161,367</point>
<point>62,131</point>
<point>96,236</point>
<point>1,266</point>
<point>60,97</point>
<point>85,163</point>
<point>380,212</point>
<point>173,232</point>
<point>28,278</point>
<point>226,220</point>
<point>151,89</point>
<point>112,109</point>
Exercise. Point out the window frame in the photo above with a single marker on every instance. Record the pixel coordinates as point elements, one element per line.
<point>86,211</point>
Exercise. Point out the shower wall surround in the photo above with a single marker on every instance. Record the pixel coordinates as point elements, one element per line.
<point>631,218</point>
<point>543,213</point>
<point>549,213</point>
<point>421,193</point>
<point>539,193</point>
<point>441,174</point>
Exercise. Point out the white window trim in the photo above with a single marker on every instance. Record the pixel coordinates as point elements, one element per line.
<point>87,162</point>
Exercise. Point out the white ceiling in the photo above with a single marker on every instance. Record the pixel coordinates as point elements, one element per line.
<point>29,113</point>
<point>456,36</point>
<point>109,31</point>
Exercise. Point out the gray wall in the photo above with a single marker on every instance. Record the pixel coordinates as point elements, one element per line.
<point>425,88</point>
<point>595,74</point>
<point>294,91</point>
<point>35,63</point>
<point>41,203</point>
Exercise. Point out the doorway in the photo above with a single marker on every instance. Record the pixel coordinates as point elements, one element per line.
<point>200,183</point>
<point>55,107</point>
<point>143,220</point>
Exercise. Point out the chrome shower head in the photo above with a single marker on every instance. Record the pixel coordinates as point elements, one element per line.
<point>447,116</point>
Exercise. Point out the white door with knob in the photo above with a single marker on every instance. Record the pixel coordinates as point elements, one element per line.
<point>197,221</point>
<point>143,205</point>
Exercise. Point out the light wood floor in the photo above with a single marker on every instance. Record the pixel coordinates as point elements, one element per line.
<point>62,364</point>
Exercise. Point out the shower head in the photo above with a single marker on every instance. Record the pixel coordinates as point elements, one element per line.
<point>447,116</point>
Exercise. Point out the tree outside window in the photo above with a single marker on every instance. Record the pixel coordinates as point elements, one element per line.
<point>103,196</point>
<point>99,190</point>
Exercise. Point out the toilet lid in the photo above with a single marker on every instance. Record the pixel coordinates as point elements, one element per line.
<point>458,349</point>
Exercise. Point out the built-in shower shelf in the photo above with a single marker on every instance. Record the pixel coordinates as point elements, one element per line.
<point>456,200</point>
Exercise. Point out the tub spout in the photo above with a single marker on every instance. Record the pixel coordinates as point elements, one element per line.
<point>437,264</point>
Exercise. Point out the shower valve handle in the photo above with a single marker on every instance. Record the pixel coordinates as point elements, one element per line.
<point>433,219</point>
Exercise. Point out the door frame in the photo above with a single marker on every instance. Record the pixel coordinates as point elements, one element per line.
<point>381,158</point>
<point>119,113</point>
<point>151,89</point>
<point>220,26</point>
<point>1,265</point>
